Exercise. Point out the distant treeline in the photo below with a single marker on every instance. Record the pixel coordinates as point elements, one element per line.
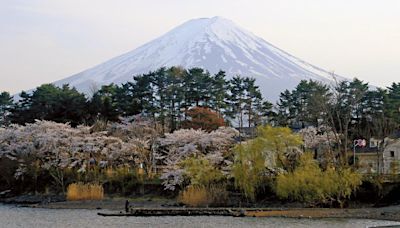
<point>166,95</point>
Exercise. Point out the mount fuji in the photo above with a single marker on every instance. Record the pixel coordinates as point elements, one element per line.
<point>210,43</point>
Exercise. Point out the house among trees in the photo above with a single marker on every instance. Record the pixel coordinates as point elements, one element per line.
<point>369,158</point>
<point>379,157</point>
<point>391,158</point>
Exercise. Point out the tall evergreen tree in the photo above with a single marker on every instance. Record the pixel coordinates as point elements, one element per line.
<point>286,109</point>
<point>219,93</point>
<point>142,90</point>
<point>49,102</point>
<point>305,105</point>
<point>174,95</point>
<point>103,104</point>
<point>265,114</point>
<point>199,88</point>
<point>374,121</point>
<point>347,107</point>
<point>70,106</point>
<point>127,104</point>
<point>237,100</point>
<point>392,104</point>
<point>5,104</point>
<point>159,82</point>
<point>253,100</point>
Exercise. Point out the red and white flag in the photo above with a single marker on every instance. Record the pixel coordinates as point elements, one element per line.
<point>360,142</point>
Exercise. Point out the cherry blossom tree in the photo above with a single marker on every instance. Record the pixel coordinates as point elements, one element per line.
<point>180,145</point>
<point>57,147</point>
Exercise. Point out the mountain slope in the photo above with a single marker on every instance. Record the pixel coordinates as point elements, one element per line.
<point>213,44</point>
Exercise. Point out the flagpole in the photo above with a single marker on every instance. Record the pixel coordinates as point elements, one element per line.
<point>354,154</point>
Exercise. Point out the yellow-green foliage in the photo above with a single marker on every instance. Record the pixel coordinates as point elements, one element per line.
<point>308,183</point>
<point>201,172</point>
<point>278,139</point>
<point>249,166</point>
<point>251,157</point>
<point>304,184</point>
<point>80,191</point>
<point>203,189</point>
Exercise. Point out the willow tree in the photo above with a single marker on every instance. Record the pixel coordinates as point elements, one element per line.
<point>274,149</point>
<point>310,184</point>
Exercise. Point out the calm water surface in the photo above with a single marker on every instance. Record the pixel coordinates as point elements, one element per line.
<point>12,216</point>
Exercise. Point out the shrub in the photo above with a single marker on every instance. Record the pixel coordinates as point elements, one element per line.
<point>308,183</point>
<point>80,191</point>
<point>203,118</point>
<point>201,172</point>
<point>304,184</point>
<point>218,194</point>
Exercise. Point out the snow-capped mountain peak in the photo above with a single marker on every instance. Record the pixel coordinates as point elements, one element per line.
<point>213,44</point>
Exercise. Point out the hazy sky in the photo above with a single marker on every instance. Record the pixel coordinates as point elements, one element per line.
<point>42,41</point>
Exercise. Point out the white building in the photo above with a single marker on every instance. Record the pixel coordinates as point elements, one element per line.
<point>391,158</point>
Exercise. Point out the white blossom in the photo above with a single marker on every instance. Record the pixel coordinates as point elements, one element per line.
<point>313,137</point>
<point>185,143</point>
<point>59,145</point>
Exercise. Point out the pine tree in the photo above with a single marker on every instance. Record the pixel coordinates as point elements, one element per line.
<point>253,100</point>
<point>70,107</point>
<point>237,99</point>
<point>103,104</point>
<point>286,109</point>
<point>127,104</point>
<point>392,104</point>
<point>219,94</point>
<point>142,91</point>
<point>5,104</point>
<point>174,95</point>
<point>199,88</point>
<point>49,102</point>
<point>347,107</point>
<point>159,84</point>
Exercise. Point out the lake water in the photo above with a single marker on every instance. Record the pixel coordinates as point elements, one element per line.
<point>12,216</point>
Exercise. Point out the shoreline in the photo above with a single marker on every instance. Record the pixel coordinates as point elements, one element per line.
<point>117,206</point>
<point>391,213</point>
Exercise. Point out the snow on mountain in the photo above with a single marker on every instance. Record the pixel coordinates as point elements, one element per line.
<point>213,44</point>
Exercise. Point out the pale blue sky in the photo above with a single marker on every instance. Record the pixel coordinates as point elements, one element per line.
<point>45,40</point>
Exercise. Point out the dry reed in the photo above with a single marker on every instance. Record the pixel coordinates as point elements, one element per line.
<point>195,196</point>
<point>80,191</point>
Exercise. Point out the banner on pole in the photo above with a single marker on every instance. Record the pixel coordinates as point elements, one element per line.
<point>360,142</point>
